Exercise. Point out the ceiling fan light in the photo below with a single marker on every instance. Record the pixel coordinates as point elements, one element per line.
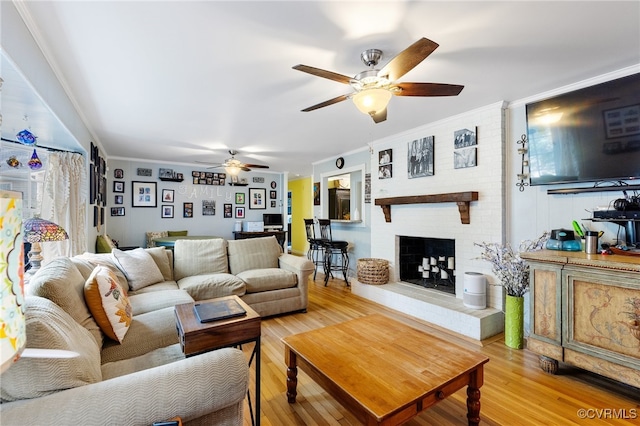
<point>372,101</point>
<point>232,170</point>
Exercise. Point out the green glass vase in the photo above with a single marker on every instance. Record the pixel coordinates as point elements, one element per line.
<point>514,322</point>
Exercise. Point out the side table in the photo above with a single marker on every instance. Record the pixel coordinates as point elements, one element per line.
<point>196,337</point>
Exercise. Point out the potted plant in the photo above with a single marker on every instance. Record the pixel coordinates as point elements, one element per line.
<point>512,273</point>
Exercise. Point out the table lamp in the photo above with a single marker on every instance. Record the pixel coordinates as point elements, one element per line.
<point>36,231</point>
<point>13,336</point>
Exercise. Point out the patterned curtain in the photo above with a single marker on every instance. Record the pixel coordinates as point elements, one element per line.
<point>64,202</point>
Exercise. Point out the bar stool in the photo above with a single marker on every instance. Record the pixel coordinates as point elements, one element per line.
<point>336,256</point>
<point>316,246</point>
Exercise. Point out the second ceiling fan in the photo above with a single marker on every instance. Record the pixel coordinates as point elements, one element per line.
<point>374,87</point>
<point>234,166</point>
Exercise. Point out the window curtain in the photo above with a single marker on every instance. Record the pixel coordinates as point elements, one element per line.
<point>64,202</point>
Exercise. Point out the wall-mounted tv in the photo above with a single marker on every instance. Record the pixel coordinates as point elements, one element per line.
<point>588,135</point>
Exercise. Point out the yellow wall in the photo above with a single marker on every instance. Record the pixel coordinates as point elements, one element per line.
<point>301,208</point>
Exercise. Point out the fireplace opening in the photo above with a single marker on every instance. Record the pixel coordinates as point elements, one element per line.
<point>428,262</point>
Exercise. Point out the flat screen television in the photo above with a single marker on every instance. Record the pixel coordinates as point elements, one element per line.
<point>272,219</point>
<point>588,135</point>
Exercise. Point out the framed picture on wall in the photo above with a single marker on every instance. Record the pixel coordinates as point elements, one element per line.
<point>228,211</point>
<point>117,211</point>
<point>118,186</point>
<point>239,197</point>
<point>385,157</point>
<point>119,199</point>
<point>466,157</point>
<point>316,194</point>
<point>167,195</point>
<point>420,157</point>
<point>239,212</point>
<point>273,204</point>
<point>187,209</point>
<point>118,174</point>
<point>257,198</point>
<point>167,211</point>
<point>208,207</point>
<point>144,194</point>
<point>273,195</point>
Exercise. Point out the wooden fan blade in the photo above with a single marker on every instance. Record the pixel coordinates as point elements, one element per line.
<point>323,73</point>
<point>428,89</point>
<point>406,60</point>
<point>327,103</point>
<point>256,166</point>
<point>380,116</point>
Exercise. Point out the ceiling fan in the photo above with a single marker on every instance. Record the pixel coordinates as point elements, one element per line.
<point>374,87</point>
<point>233,166</point>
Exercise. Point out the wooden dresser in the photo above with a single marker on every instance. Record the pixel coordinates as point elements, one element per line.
<point>585,311</point>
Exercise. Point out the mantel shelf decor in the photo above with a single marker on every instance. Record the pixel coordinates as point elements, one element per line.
<point>238,184</point>
<point>166,179</point>
<point>463,199</point>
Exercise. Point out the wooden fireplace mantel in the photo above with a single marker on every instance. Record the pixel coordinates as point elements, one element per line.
<point>461,198</point>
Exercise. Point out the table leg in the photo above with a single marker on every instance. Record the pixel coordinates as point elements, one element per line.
<point>292,377</point>
<point>473,397</point>
<point>257,414</point>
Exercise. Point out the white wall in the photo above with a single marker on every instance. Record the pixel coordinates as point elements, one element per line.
<point>443,220</point>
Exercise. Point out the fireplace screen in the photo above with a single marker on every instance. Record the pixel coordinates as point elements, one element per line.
<point>428,262</point>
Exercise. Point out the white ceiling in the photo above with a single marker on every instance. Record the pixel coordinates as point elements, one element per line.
<point>181,81</point>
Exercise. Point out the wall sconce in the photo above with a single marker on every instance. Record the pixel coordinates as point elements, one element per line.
<point>522,176</point>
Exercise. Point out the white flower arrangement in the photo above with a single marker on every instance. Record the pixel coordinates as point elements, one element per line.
<point>511,271</point>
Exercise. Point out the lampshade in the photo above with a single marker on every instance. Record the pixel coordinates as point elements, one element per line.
<point>37,230</point>
<point>371,101</point>
<point>13,337</point>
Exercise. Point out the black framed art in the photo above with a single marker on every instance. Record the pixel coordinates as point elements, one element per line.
<point>187,209</point>
<point>144,194</point>
<point>118,186</point>
<point>167,211</point>
<point>257,198</point>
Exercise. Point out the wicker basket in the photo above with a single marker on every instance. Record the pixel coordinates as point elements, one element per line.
<point>373,271</point>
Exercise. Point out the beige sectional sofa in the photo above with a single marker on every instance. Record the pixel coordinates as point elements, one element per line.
<point>116,311</point>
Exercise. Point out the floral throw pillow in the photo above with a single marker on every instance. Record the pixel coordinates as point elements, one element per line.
<point>108,303</point>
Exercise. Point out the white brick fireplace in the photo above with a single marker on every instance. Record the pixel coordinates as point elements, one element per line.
<point>443,220</point>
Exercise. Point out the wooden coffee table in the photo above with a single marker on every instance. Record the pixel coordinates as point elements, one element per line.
<point>383,371</point>
<point>197,337</point>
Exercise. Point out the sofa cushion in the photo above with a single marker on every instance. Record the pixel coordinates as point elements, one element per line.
<point>197,257</point>
<point>253,253</point>
<point>87,262</point>
<point>163,259</point>
<point>61,282</point>
<point>177,233</point>
<point>152,301</point>
<point>150,236</point>
<point>268,279</point>
<point>108,302</point>
<point>153,288</point>
<point>152,359</point>
<point>138,266</point>
<point>148,332</point>
<point>210,286</point>
<point>50,327</point>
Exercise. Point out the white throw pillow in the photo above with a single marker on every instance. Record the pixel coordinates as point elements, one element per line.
<point>138,266</point>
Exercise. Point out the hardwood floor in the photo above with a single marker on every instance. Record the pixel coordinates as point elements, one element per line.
<point>515,391</point>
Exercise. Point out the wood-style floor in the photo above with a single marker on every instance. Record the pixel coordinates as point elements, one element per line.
<point>515,390</point>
